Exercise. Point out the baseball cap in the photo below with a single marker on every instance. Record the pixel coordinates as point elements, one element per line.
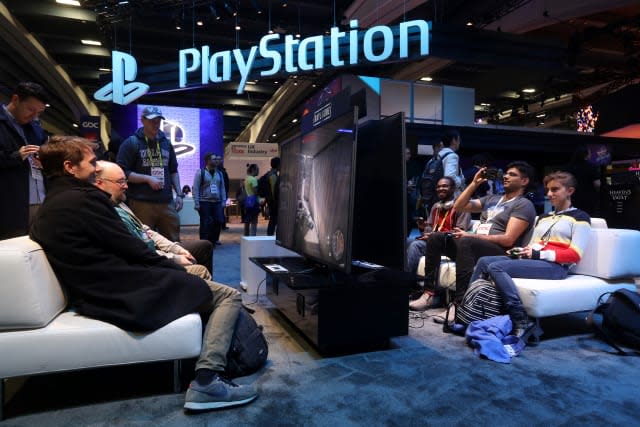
<point>152,112</point>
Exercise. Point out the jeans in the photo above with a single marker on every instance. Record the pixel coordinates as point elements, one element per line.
<point>415,250</point>
<point>211,220</point>
<point>503,269</point>
<point>223,310</point>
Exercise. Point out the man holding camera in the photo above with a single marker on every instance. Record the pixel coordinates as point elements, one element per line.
<point>506,221</point>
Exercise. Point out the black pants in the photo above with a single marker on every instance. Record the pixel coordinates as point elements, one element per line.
<point>211,220</point>
<point>465,252</point>
<point>273,217</point>
<point>202,251</point>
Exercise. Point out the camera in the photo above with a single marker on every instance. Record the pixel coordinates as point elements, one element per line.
<point>490,173</point>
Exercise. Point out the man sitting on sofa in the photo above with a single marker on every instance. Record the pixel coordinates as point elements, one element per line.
<point>111,179</point>
<point>442,218</point>
<point>506,221</point>
<point>115,277</point>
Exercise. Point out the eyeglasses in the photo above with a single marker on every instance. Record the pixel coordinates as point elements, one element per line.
<point>121,182</point>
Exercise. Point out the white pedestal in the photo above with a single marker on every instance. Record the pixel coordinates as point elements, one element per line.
<point>188,215</point>
<point>257,246</point>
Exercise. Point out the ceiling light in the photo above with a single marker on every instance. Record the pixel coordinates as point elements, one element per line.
<point>469,24</point>
<point>298,35</point>
<point>294,121</point>
<point>106,70</point>
<point>178,27</point>
<point>270,31</point>
<point>426,79</point>
<point>274,135</point>
<point>75,125</point>
<point>199,23</point>
<point>69,2</point>
<point>91,42</point>
<point>238,28</point>
<point>47,105</point>
<point>484,104</point>
<point>528,90</point>
<point>284,3</point>
<point>541,115</point>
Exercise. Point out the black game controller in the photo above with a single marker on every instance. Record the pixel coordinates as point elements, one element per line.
<point>514,253</point>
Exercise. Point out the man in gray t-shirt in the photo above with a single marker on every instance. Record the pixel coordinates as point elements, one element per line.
<point>506,221</point>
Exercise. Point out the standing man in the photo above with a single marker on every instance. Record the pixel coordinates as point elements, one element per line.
<point>209,196</point>
<point>450,159</point>
<point>20,139</point>
<point>272,196</point>
<point>112,276</point>
<point>149,161</point>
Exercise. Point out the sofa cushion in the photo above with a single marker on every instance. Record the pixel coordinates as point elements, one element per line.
<point>30,294</point>
<point>72,341</point>
<point>612,253</point>
<point>543,298</point>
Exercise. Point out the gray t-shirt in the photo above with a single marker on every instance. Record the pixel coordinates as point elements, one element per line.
<point>496,213</point>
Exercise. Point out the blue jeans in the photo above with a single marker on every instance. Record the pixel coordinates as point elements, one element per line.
<point>211,220</point>
<point>416,250</point>
<point>503,269</point>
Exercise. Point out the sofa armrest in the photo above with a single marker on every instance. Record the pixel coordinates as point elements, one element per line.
<point>30,294</point>
<point>612,253</point>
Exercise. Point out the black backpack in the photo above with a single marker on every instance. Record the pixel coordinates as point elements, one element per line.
<point>620,320</point>
<point>481,301</point>
<point>264,186</point>
<point>433,171</point>
<point>248,350</point>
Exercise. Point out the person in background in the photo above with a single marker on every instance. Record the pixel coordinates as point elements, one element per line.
<point>414,170</point>
<point>186,190</point>
<point>150,163</point>
<point>110,178</point>
<point>443,218</point>
<point>112,276</point>
<point>558,242</point>
<point>587,192</point>
<point>20,139</point>
<point>225,177</point>
<point>451,162</point>
<point>252,201</point>
<point>209,196</point>
<point>272,197</point>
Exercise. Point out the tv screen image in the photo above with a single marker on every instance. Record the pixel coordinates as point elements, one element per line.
<point>316,192</point>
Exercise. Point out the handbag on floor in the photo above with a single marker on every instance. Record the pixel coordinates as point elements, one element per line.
<point>249,349</point>
<point>620,320</point>
<point>481,301</point>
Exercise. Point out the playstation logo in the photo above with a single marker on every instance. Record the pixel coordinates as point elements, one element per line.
<point>124,70</point>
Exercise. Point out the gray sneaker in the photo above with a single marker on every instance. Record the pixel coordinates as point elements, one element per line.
<point>219,393</point>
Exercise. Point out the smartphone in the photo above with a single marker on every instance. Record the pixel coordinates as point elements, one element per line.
<point>490,173</point>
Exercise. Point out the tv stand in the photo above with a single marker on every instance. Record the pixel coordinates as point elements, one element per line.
<point>337,312</point>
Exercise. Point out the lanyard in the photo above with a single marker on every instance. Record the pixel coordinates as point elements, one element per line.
<point>157,150</point>
<point>444,218</point>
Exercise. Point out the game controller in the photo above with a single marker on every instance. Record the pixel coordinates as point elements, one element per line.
<point>515,252</point>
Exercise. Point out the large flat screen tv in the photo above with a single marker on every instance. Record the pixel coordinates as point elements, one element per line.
<point>380,204</point>
<point>316,192</point>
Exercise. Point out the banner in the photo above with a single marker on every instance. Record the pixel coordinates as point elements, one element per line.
<point>238,154</point>
<point>90,128</point>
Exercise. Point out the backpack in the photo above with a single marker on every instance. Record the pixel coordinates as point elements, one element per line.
<point>620,319</point>
<point>248,350</point>
<point>433,171</point>
<point>264,186</point>
<point>481,301</point>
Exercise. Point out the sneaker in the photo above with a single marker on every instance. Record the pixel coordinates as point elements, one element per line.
<point>424,302</point>
<point>522,327</point>
<point>219,393</point>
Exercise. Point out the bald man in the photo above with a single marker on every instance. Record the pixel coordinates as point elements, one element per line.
<point>111,179</point>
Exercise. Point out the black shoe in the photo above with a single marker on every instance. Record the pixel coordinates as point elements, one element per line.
<point>218,243</point>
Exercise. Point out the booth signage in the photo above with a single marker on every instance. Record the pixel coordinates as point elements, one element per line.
<point>338,49</point>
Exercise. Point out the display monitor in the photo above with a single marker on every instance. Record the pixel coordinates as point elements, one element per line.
<point>380,205</point>
<point>316,192</point>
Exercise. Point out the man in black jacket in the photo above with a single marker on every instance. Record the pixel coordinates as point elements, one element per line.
<point>20,140</point>
<point>112,276</point>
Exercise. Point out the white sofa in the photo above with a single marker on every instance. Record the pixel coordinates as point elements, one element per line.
<point>39,334</point>
<point>609,262</point>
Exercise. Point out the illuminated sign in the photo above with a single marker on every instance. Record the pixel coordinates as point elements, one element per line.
<point>124,68</point>
<point>307,54</point>
<point>294,56</point>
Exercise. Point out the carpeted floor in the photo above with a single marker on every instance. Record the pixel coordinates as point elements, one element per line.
<point>426,378</point>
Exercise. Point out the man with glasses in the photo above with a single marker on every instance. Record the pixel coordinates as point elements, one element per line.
<point>20,139</point>
<point>150,163</point>
<point>195,256</point>
<point>506,221</point>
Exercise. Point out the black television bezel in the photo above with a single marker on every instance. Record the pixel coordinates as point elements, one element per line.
<point>348,238</point>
